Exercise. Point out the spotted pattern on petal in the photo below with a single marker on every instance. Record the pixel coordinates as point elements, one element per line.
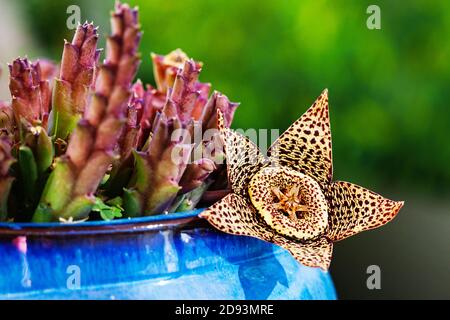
<point>306,145</point>
<point>234,215</point>
<point>243,158</point>
<point>353,209</point>
<point>314,254</point>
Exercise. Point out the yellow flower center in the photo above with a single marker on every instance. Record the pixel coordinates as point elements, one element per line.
<point>290,202</point>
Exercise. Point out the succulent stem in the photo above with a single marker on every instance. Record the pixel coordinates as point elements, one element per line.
<point>75,80</point>
<point>30,93</point>
<point>91,148</point>
<point>79,134</point>
<point>160,180</point>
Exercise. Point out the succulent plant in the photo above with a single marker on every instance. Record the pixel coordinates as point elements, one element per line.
<point>83,140</point>
<point>156,183</point>
<point>90,151</point>
<point>76,78</point>
<point>30,92</point>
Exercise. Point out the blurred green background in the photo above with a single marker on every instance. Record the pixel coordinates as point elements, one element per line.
<point>389,91</point>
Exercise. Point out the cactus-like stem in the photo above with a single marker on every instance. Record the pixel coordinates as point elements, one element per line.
<point>91,147</point>
<point>158,181</point>
<point>196,173</point>
<point>142,118</point>
<point>203,89</point>
<point>130,137</point>
<point>6,180</point>
<point>145,106</point>
<point>209,148</point>
<point>30,93</point>
<point>220,102</point>
<point>158,171</point>
<point>132,143</point>
<point>76,78</point>
<point>153,103</point>
<point>192,198</point>
<point>182,98</point>
<point>48,72</point>
<point>123,166</point>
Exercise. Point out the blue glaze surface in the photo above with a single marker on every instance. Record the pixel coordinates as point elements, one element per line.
<point>178,261</point>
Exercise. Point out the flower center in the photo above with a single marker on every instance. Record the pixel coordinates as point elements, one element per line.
<point>290,202</point>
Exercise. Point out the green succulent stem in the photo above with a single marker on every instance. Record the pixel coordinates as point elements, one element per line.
<point>191,199</point>
<point>64,117</point>
<point>57,192</point>
<point>76,78</point>
<point>69,193</point>
<point>85,138</point>
<point>28,171</point>
<point>45,152</point>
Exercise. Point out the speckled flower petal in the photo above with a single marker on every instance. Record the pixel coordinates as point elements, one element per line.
<point>314,254</point>
<point>306,145</point>
<point>353,209</point>
<point>243,157</point>
<point>234,215</point>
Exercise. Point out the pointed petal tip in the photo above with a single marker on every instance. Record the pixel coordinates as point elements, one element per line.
<point>391,207</point>
<point>397,206</point>
<point>323,96</point>
<point>204,215</point>
<point>388,210</point>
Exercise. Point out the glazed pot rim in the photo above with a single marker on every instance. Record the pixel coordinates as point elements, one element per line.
<point>140,224</point>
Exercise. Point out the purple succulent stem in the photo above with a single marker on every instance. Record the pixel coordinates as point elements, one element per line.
<point>76,79</point>
<point>29,91</point>
<point>91,148</point>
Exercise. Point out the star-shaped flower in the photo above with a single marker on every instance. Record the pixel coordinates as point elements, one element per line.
<point>288,197</point>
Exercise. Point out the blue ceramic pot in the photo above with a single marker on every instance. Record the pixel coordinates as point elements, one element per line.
<point>162,257</point>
